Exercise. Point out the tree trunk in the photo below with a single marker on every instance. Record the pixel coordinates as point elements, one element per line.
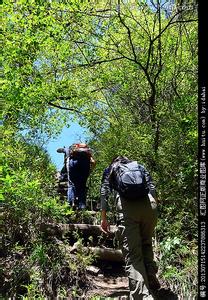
<point>86,229</point>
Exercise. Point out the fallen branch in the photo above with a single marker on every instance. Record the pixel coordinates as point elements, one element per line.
<point>107,254</point>
<point>86,229</point>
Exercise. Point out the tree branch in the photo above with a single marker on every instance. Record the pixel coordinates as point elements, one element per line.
<point>93,63</point>
<point>159,44</point>
<point>65,108</point>
<point>128,32</point>
<point>149,53</point>
<point>171,23</point>
<point>114,112</point>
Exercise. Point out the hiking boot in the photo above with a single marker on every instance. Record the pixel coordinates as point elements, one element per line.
<point>154,283</point>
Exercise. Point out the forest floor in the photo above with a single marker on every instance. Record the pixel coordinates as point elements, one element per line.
<point>110,282</point>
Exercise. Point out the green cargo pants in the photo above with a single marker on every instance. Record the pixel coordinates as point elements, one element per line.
<point>137,221</point>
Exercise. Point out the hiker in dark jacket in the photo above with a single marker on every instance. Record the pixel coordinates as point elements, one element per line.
<point>136,221</point>
<point>78,170</point>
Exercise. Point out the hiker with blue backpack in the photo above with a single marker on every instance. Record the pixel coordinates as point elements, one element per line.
<point>78,164</point>
<point>136,209</point>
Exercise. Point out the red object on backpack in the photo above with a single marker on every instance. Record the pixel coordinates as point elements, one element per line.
<point>80,149</point>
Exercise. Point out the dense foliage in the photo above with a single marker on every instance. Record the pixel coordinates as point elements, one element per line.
<point>126,71</point>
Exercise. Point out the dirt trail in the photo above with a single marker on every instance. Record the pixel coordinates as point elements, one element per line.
<point>117,288</point>
<point>111,283</point>
<point>108,279</point>
<point>109,287</point>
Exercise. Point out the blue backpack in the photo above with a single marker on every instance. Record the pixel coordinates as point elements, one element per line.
<point>129,181</point>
